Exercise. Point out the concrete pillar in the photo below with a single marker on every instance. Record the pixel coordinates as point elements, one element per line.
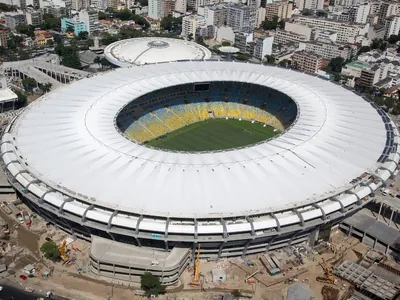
<point>380,209</point>
<point>375,241</point>
<point>391,216</point>
<point>364,234</point>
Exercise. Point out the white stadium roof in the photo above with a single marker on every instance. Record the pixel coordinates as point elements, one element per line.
<point>150,50</point>
<point>68,140</point>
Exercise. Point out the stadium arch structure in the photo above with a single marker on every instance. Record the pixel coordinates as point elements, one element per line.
<point>68,161</point>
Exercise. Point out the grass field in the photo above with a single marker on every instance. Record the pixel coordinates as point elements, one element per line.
<point>214,134</point>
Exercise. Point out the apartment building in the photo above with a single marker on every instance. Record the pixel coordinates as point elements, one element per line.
<point>392,26</point>
<point>191,23</point>
<point>80,4</point>
<point>326,50</point>
<point>376,32</point>
<point>369,76</point>
<point>91,19</point>
<point>156,9</point>
<point>73,23</point>
<point>4,35</point>
<point>387,9</point>
<point>306,61</point>
<point>181,6</point>
<point>56,10</point>
<point>310,4</point>
<point>307,31</point>
<point>241,17</point>
<point>346,32</point>
<point>33,17</point>
<point>281,9</point>
<point>13,19</point>
<point>362,12</point>
<point>260,16</point>
<point>215,15</point>
<point>261,47</point>
<point>284,37</point>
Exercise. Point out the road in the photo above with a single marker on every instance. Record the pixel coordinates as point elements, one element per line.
<point>13,293</point>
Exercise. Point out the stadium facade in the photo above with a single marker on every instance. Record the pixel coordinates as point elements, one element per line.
<point>68,160</point>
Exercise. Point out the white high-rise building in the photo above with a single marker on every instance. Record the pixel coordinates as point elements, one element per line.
<point>191,23</point>
<point>310,4</point>
<point>392,26</point>
<point>181,6</point>
<point>90,18</point>
<point>156,9</point>
<point>362,13</point>
<point>242,18</point>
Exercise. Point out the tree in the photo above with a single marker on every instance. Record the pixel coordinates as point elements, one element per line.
<point>335,64</point>
<point>50,22</point>
<point>389,102</point>
<point>25,29</point>
<point>102,15</point>
<point>83,35</point>
<point>70,29</point>
<point>363,49</point>
<point>104,63</point>
<point>50,250</point>
<point>242,57</point>
<point>307,12</point>
<point>393,39</point>
<point>46,87</point>
<point>270,59</point>
<point>22,99</point>
<point>151,284</point>
<point>171,24</point>
<point>226,43</point>
<point>29,83</point>
<point>270,24</point>
<point>236,294</point>
<point>396,110</point>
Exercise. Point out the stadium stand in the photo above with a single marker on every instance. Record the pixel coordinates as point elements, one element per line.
<point>169,109</point>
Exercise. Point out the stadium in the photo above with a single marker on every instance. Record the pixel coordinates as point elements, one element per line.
<point>150,50</point>
<point>278,159</point>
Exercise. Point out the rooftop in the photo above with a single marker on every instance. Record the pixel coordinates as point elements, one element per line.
<point>139,51</point>
<point>357,65</point>
<point>7,95</point>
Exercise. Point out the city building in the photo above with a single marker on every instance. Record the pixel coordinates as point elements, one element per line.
<point>76,25</point>
<point>13,19</point>
<point>215,15</point>
<point>91,19</point>
<point>376,32</point>
<point>284,37</point>
<point>346,32</point>
<point>369,76</point>
<point>191,23</point>
<point>310,4</point>
<point>326,36</point>
<point>80,4</point>
<point>387,9</point>
<point>392,26</point>
<point>281,9</point>
<point>4,35</point>
<point>242,41</point>
<point>306,61</point>
<point>260,16</point>
<point>262,46</point>
<point>42,37</point>
<point>354,69</point>
<point>34,17</point>
<point>305,30</point>
<point>7,96</point>
<point>181,6</point>
<point>56,10</point>
<point>156,9</point>
<point>326,50</point>
<point>241,18</point>
<point>169,7</point>
<point>362,13</point>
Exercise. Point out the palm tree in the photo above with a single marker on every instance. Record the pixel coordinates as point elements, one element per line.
<point>46,87</point>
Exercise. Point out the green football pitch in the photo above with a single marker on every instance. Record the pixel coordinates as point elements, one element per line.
<point>214,134</point>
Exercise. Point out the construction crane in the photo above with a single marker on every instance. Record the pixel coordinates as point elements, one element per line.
<point>328,273</point>
<point>63,248</point>
<point>196,278</point>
